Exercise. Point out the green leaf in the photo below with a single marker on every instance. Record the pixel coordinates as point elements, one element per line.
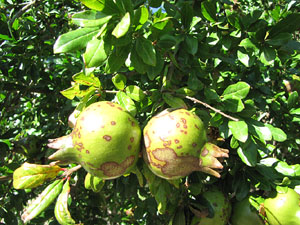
<point>90,80</point>
<point>260,131</point>
<point>268,56</point>
<point>117,58</point>
<point>233,104</point>
<point>122,27</point>
<point>119,81</point>
<point>96,53</point>
<point>249,46</point>
<point>174,102</point>
<point>239,90</point>
<point>71,92</point>
<point>286,25</point>
<point>248,153</point>
<point>191,44</point>
<point>106,6</point>
<point>135,93</point>
<point>187,14</point>
<point>277,133</point>
<point>146,51</point>
<point>280,39</point>
<point>245,58</point>
<point>293,99</point>
<point>90,18</point>
<point>239,130</point>
<point>126,102</point>
<point>32,175</point>
<point>295,111</point>
<point>155,3</point>
<point>153,71</point>
<point>74,40</point>
<point>137,62</point>
<point>161,198</point>
<point>208,10</point>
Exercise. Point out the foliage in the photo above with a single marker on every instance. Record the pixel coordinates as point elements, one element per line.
<point>234,63</point>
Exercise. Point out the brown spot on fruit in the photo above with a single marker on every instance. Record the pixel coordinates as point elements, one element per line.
<point>183,120</point>
<point>194,144</point>
<point>197,126</point>
<point>179,147</point>
<point>114,169</point>
<point>129,147</point>
<point>187,164</point>
<point>187,113</point>
<point>171,117</point>
<point>87,151</point>
<point>132,139</point>
<point>185,126</point>
<point>177,125</point>
<point>113,123</point>
<point>107,137</point>
<point>120,108</point>
<point>176,141</point>
<point>204,152</point>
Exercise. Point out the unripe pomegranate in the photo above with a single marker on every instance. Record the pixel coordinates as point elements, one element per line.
<point>105,141</point>
<point>219,203</point>
<point>176,145</point>
<point>283,208</point>
<point>244,213</point>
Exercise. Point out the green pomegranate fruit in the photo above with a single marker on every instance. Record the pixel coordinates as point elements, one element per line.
<point>244,213</point>
<point>220,205</point>
<point>283,208</point>
<point>176,145</point>
<point>105,141</point>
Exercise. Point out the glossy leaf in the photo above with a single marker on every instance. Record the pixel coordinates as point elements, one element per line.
<point>233,104</point>
<point>248,153</point>
<point>277,133</point>
<point>61,210</point>
<point>208,10</point>
<point>122,27</point>
<point>239,129</point>
<point>239,90</point>
<point>74,40</point>
<point>96,53</point>
<point>135,93</point>
<point>119,81</point>
<point>146,51</point>
<point>117,59</point>
<point>91,80</point>
<point>38,205</point>
<point>32,175</point>
<point>90,18</point>
<point>126,102</point>
<point>174,102</point>
<point>107,6</point>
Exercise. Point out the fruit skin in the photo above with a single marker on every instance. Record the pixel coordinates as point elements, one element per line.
<point>244,213</point>
<point>283,208</point>
<point>176,145</point>
<point>221,206</point>
<point>105,141</point>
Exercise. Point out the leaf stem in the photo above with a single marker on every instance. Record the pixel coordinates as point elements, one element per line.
<point>212,108</point>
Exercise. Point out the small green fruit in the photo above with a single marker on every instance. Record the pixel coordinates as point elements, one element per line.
<point>244,213</point>
<point>220,205</point>
<point>105,141</point>
<point>176,145</point>
<point>283,208</point>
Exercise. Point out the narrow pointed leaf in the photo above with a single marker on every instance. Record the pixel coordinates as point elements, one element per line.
<point>96,53</point>
<point>122,27</point>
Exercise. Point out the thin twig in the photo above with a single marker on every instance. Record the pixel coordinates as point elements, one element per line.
<point>4,178</point>
<point>212,108</point>
<point>72,170</point>
<point>21,12</point>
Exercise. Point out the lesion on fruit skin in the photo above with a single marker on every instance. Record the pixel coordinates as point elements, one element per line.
<point>171,162</point>
<point>113,169</point>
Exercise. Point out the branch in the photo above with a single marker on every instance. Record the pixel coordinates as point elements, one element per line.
<point>72,170</point>
<point>21,12</point>
<point>4,178</point>
<point>212,108</point>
